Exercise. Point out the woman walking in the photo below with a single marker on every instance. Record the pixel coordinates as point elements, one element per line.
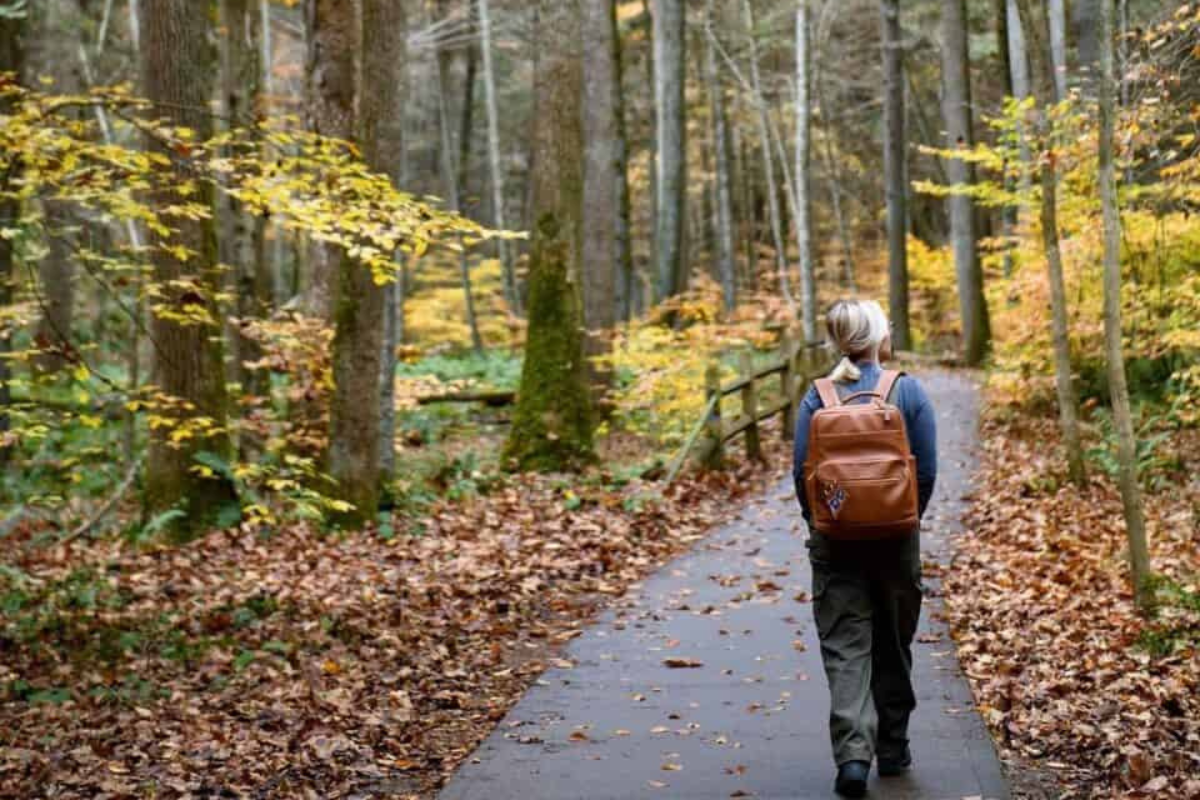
<point>864,544</point>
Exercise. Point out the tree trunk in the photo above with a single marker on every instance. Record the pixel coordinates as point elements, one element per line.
<point>1008,214</point>
<point>601,200</point>
<point>244,239</point>
<point>1034,23</point>
<point>453,201</point>
<point>332,42</point>
<point>511,294</point>
<point>956,113</point>
<point>1058,44</point>
<point>765,144</point>
<point>177,69</point>
<point>56,276</point>
<point>552,424</point>
<point>12,59</point>
<point>808,277</point>
<point>1131,493</point>
<point>832,170</point>
<point>1086,14</point>
<point>895,173</point>
<point>670,47</point>
<point>354,414</point>
<point>466,125</point>
<point>723,223</point>
<point>626,276</point>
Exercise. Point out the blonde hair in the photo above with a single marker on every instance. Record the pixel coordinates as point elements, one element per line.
<point>856,328</point>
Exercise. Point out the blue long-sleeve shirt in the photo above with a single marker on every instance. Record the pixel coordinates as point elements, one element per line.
<point>907,395</point>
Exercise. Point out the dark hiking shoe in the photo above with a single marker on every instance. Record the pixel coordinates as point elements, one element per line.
<point>890,767</point>
<point>852,778</point>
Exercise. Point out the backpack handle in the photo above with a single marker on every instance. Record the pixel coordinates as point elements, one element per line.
<point>850,398</point>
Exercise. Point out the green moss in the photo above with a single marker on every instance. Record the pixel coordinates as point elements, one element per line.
<point>552,426</point>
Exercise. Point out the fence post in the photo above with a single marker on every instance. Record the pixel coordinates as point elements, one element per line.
<point>788,384</point>
<point>714,453</point>
<point>750,408</point>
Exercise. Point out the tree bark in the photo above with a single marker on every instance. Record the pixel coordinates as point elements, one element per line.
<point>808,277</point>
<point>12,59</point>
<point>177,69</point>
<point>495,165</point>
<point>723,224</point>
<point>765,145</point>
<point>1058,44</point>
<point>56,276</point>
<point>453,201</point>
<point>552,424</point>
<point>1086,19</point>
<point>1131,493</point>
<point>332,42</point>
<point>956,113</point>
<point>354,413</point>
<point>1035,24</point>
<point>602,162</point>
<point>671,133</point>
<point>244,234</point>
<point>626,276</point>
<point>895,172</point>
<point>832,169</point>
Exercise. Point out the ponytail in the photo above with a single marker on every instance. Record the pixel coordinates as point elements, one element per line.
<point>845,372</point>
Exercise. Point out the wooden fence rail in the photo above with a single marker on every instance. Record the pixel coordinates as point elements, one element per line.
<point>795,365</point>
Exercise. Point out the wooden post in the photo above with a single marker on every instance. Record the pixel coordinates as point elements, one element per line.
<point>714,452</point>
<point>750,408</point>
<point>788,384</point>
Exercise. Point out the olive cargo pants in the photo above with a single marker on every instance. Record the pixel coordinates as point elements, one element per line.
<point>867,601</point>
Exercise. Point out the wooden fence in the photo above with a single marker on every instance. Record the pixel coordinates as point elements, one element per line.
<point>795,364</point>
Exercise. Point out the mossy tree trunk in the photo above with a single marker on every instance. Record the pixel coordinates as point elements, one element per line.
<point>177,70</point>
<point>552,425</point>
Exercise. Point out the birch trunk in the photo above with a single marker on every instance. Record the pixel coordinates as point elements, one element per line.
<point>1035,25</point>
<point>765,145</point>
<point>1131,494</point>
<point>723,223</point>
<point>803,216</point>
<point>956,113</point>
<point>670,61</point>
<point>895,172</point>
<point>511,294</point>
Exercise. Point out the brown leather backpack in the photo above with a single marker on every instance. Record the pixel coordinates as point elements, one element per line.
<point>860,476</point>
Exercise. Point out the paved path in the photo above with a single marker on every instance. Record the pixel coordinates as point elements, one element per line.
<point>751,721</point>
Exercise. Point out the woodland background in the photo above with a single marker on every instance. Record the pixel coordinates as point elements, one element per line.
<point>344,348</point>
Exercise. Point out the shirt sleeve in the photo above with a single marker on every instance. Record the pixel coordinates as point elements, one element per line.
<point>921,423</point>
<point>809,406</point>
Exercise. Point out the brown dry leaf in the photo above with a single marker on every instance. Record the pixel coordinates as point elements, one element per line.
<point>682,663</point>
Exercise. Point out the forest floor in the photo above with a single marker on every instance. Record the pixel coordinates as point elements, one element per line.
<point>706,682</point>
<point>1075,685</point>
<point>299,663</point>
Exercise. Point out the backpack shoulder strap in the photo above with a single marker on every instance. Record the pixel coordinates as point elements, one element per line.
<point>828,393</point>
<point>887,381</point>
